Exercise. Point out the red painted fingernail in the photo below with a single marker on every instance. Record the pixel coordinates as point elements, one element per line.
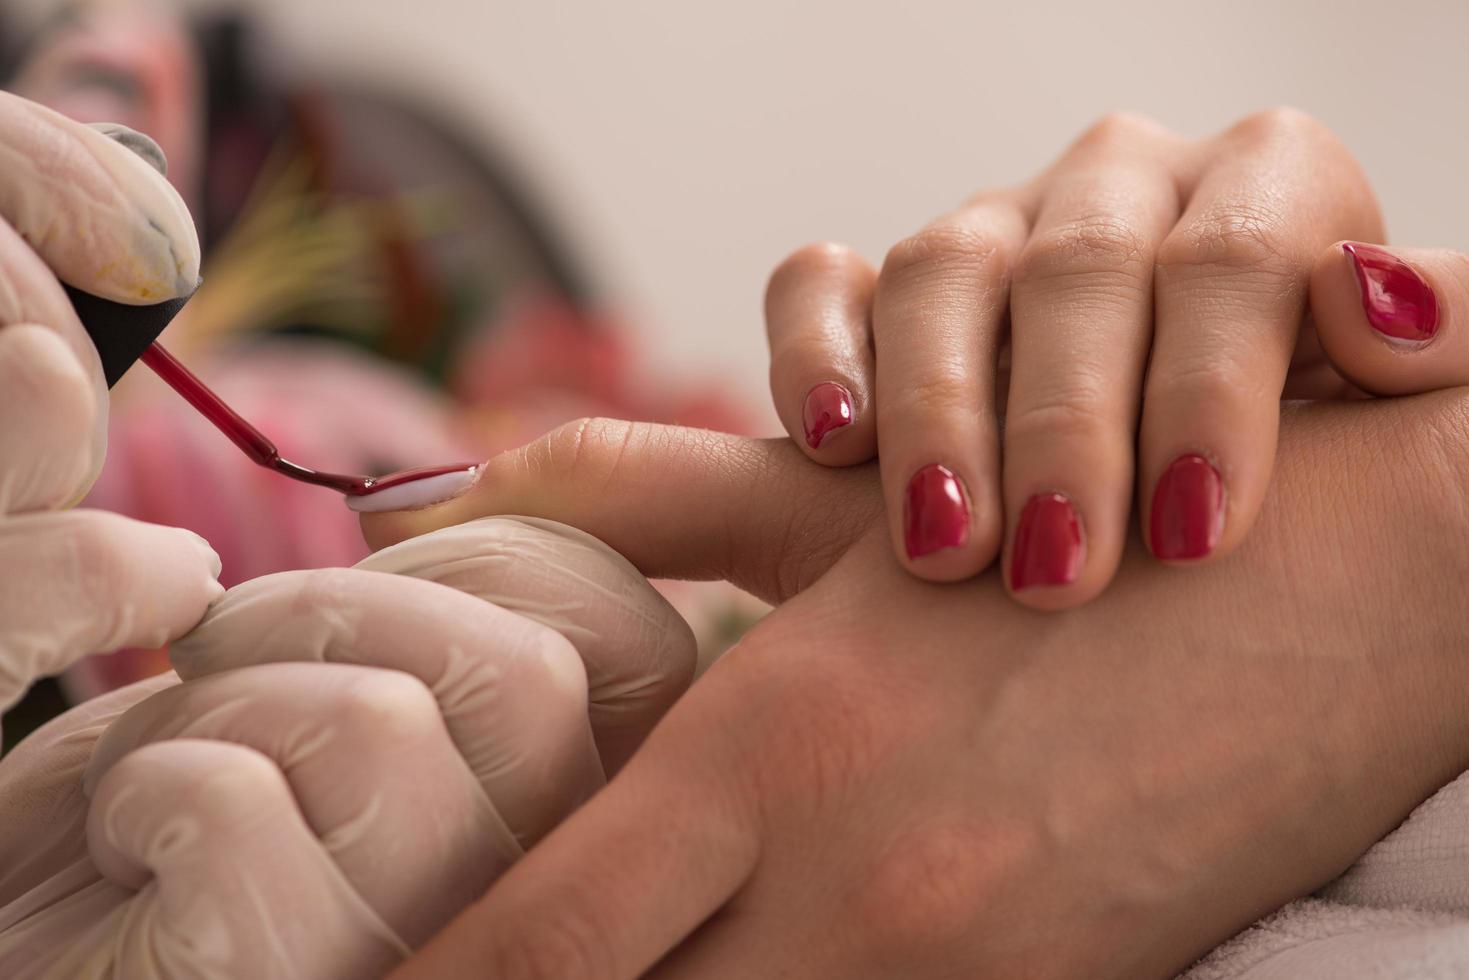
<point>1188,509</point>
<point>1048,545</point>
<point>935,511</point>
<point>1399,302</point>
<point>828,407</point>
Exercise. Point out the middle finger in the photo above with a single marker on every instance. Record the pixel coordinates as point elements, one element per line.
<point>1081,307</point>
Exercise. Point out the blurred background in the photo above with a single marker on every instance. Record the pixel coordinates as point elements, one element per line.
<point>689,146</point>
<point>439,228</point>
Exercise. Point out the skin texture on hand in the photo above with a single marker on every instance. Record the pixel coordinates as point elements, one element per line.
<point>889,778</point>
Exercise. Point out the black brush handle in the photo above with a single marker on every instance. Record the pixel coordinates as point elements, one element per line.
<point>121,332</point>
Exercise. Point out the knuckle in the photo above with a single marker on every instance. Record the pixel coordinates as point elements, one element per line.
<point>1119,129</point>
<point>557,670</point>
<point>942,393</point>
<point>385,706</point>
<point>815,262</point>
<point>939,248</point>
<point>928,891</point>
<point>1100,244</point>
<point>1279,122</point>
<point>540,949</point>
<point>1211,380</point>
<point>1076,415</point>
<point>239,783</point>
<point>1238,240</point>
<point>237,780</point>
<point>587,452</point>
<point>823,730</point>
<point>99,554</point>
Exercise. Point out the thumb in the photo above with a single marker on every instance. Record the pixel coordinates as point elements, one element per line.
<point>676,502</point>
<point>1393,321</point>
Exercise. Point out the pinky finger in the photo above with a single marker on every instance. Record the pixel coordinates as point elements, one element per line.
<point>818,318</point>
<point>1394,321</point>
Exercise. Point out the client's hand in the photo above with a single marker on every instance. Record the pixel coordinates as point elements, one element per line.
<point>352,757</point>
<point>889,778</point>
<point>1143,275</point>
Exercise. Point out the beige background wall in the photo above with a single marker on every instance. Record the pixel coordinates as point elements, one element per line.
<point>691,144</point>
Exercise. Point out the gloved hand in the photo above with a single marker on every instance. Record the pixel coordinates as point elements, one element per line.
<point>103,220</point>
<point>353,757</point>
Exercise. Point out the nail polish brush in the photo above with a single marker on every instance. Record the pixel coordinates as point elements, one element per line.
<point>125,334</point>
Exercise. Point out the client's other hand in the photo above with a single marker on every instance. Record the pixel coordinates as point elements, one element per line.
<point>890,778</point>
<point>1129,312</point>
<point>353,756</point>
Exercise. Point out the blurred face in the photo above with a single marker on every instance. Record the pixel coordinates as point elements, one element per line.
<point>131,62</point>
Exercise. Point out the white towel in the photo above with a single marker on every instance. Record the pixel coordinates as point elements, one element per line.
<point>1400,913</point>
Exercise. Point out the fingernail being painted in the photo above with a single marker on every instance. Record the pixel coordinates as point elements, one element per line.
<point>416,494</point>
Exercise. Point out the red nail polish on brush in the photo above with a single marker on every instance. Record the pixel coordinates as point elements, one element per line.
<point>935,512</point>
<point>125,334</point>
<point>1188,510</point>
<point>1399,303</point>
<point>1049,548</point>
<point>828,407</point>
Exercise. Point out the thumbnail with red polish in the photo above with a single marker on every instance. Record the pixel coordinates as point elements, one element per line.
<point>935,512</point>
<point>1048,543</point>
<point>1399,303</point>
<point>1188,509</point>
<point>828,408</point>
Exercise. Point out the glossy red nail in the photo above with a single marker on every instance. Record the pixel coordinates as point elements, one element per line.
<point>1048,544</point>
<point>935,511</point>
<point>828,407</point>
<point>1399,302</point>
<point>1188,509</point>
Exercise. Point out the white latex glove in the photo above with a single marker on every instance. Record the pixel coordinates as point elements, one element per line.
<point>353,758</point>
<point>76,202</point>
